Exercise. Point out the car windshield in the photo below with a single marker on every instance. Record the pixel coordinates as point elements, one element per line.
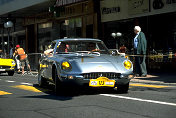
<point>89,47</point>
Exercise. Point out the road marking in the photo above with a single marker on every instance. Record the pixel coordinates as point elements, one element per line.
<point>10,81</point>
<point>26,83</point>
<point>29,88</point>
<point>138,99</point>
<point>152,86</point>
<point>4,93</point>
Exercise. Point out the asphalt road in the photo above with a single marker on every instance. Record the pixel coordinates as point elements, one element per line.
<point>20,97</point>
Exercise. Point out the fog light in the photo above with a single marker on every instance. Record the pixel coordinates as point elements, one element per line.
<point>70,77</point>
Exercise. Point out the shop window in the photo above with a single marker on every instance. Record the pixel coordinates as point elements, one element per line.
<point>44,35</point>
<point>71,28</point>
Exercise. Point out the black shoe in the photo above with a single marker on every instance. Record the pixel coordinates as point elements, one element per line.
<point>143,75</point>
<point>137,75</point>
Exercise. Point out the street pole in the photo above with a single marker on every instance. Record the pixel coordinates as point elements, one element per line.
<point>8,41</point>
<point>8,25</point>
<point>2,37</point>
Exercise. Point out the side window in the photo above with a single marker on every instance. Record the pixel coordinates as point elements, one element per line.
<point>52,45</point>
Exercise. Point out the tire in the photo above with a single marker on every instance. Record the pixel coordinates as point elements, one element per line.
<point>11,73</point>
<point>42,81</point>
<point>123,88</point>
<point>58,85</point>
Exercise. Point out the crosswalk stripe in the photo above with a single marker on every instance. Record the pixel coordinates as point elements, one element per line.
<point>152,86</point>
<point>30,84</point>
<point>25,87</point>
<point>10,81</point>
<point>4,93</point>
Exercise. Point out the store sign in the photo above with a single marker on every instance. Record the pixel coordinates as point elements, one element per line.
<point>106,10</point>
<point>138,6</point>
<point>162,6</point>
<point>112,10</point>
<point>73,10</point>
<point>65,2</point>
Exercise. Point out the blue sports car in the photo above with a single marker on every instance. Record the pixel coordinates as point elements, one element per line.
<point>84,61</point>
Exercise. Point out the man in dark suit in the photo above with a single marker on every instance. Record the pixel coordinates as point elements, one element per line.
<point>140,47</point>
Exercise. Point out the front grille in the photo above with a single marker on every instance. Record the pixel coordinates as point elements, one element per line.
<point>5,67</point>
<point>96,75</point>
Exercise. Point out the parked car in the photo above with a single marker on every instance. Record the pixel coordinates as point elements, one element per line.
<point>86,62</point>
<point>7,65</point>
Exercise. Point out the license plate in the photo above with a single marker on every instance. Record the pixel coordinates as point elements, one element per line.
<point>2,69</point>
<point>101,81</point>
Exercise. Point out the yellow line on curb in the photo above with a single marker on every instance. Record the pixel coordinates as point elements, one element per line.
<point>152,86</point>
<point>4,93</point>
<point>29,88</point>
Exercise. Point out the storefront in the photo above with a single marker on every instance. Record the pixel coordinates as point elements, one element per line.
<point>64,20</point>
<point>157,20</point>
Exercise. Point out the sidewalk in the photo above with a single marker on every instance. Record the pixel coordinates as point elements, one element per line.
<point>157,78</point>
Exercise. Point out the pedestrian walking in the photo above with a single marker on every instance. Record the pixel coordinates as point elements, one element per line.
<point>140,47</point>
<point>17,59</point>
<point>11,51</point>
<point>22,57</point>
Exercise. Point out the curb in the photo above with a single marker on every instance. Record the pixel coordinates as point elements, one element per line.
<point>151,82</point>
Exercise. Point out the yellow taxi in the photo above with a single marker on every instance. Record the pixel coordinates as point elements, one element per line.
<point>7,66</point>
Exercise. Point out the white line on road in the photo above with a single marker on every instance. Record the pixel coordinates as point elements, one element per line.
<point>26,83</point>
<point>138,99</point>
<point>9,81</point>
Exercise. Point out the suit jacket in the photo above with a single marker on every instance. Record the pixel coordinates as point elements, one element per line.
<point>142,44</point>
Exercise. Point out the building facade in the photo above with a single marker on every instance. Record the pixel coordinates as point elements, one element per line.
<point>157,19</point>
<point>38,22</point>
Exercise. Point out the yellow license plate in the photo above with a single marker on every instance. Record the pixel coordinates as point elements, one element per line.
<point>101,81</point>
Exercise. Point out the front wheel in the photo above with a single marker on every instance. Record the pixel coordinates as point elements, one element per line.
<point>11,73</point>
<point>58,85</point>
<point>42,81</point>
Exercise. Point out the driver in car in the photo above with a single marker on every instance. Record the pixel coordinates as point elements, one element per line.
<point>92,47</point>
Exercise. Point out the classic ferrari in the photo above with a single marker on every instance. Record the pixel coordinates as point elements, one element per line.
<point>85,62</point>
<point>7,66</point>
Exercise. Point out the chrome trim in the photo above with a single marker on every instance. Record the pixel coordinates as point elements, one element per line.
<point>101,74</point>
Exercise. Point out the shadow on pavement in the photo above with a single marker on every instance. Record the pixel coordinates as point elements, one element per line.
<point>69,92</point>
<point>160,77</point>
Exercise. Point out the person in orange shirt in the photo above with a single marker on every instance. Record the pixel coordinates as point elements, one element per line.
<point>23,58</point>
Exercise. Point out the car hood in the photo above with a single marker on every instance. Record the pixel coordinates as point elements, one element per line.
<point>103,63</point>
<point>6,62</point>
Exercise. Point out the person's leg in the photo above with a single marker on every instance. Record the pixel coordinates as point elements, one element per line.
<point>143,66</point>
<point>18,65</point>
<point>22,64</point>
<point>27,63</point>
<point>137,66</point>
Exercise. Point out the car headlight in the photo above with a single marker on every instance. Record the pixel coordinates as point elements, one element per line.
<point>66,65</point>
<point>127,64</point>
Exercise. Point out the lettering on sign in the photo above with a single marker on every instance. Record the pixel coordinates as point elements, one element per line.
<point>138,6</point>
<point>65,2</point>
<point>101,82</point>
<point>106,10</point>
<point>139,3</point>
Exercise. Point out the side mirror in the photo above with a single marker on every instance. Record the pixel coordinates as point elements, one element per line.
<point>114,52</point>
